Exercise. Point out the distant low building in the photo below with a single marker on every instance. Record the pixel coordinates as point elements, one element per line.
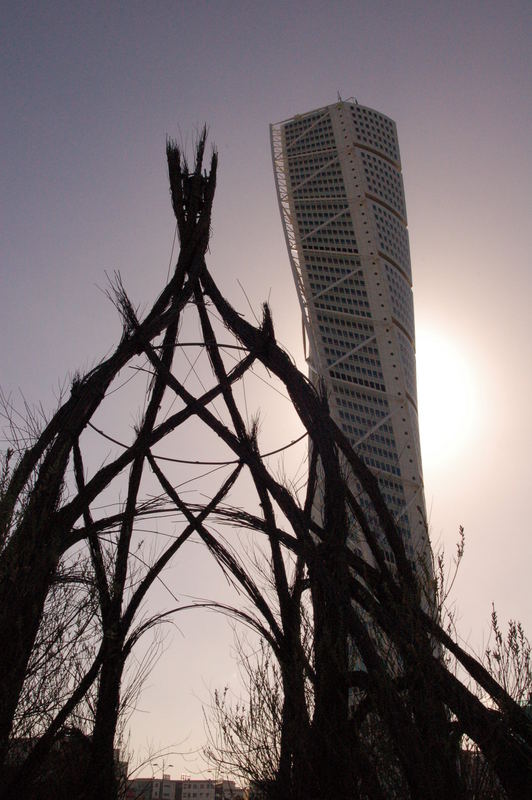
<point>184,789</point>
<point>198,790</point>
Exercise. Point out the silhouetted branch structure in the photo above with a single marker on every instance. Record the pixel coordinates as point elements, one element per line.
<point>365,706</point>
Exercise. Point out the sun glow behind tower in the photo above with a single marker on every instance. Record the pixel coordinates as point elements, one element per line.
<point>340,191</point>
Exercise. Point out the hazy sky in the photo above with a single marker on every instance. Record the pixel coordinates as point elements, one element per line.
<point>89,93</point>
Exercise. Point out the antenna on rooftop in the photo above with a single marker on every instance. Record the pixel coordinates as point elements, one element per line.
<point>339,96</point>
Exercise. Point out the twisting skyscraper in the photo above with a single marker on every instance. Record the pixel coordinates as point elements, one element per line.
<point>340,190</point>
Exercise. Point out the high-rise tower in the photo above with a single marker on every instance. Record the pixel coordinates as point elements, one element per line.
<point>340,190</point>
